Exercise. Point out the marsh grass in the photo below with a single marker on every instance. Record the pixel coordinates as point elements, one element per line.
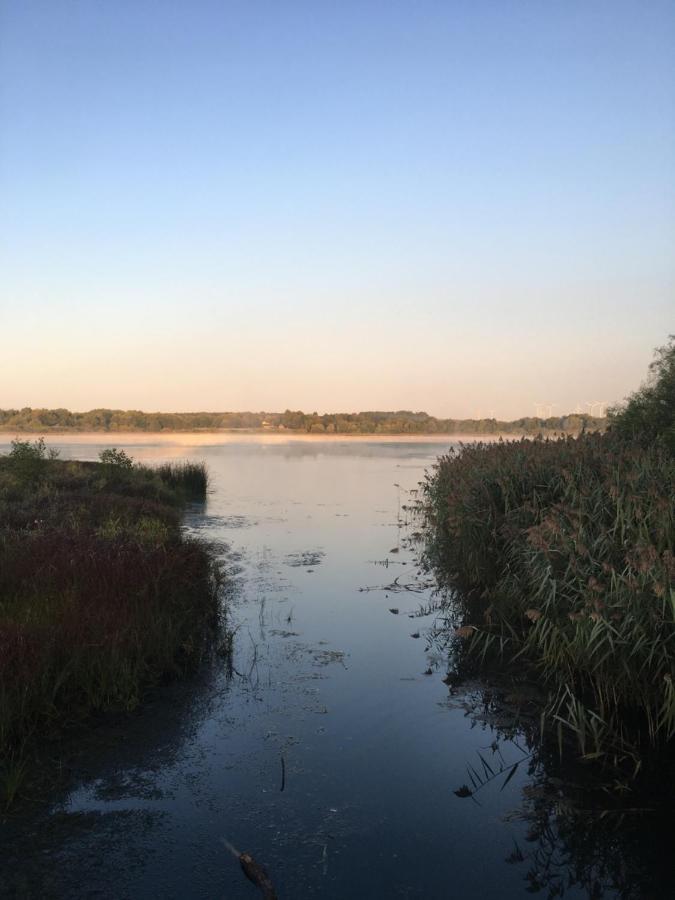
<point>189,478</point>
<point>101,595</point>
<point>564,555</point>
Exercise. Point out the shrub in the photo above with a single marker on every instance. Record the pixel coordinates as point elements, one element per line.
<point>28,459</point>
<point>27,449</point>
<point>114,457</point>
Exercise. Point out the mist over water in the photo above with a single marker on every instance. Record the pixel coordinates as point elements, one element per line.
<point>330,748</point>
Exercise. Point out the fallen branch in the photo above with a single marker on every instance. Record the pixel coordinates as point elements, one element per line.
<point>253,871</point>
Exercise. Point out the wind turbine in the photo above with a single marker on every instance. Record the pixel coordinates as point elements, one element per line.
<point>596,404</point>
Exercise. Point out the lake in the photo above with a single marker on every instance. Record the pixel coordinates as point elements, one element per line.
<point>330,746</point>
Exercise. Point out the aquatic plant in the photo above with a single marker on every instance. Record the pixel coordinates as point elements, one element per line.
<point>189,478</point>
<point>101,595</point>
<point>564,554</point>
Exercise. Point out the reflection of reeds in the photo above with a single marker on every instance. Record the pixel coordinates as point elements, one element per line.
<point>598,834</point>
<point>566,549</point>
<point>100,594</point>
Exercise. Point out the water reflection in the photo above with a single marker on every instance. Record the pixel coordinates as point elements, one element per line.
<point>585,832</point>
<point>337,690</point>
<point>578,838</point>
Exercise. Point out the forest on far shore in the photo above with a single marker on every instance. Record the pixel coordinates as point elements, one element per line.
<point>373,422</point>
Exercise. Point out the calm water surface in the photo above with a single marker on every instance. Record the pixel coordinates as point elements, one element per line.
<point>326,678</point>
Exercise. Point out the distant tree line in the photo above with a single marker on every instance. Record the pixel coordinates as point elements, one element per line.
<point>371,422</point>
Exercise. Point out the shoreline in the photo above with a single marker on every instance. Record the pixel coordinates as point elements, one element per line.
<point>105,595</point>
<point>212,435</point>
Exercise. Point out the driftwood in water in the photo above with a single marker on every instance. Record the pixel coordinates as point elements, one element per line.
<point>254,872</point>
<point>415,587</point>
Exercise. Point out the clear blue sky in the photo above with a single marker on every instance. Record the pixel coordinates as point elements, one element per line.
<point>452,206</point>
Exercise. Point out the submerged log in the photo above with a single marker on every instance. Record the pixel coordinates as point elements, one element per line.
<point>254,872</point>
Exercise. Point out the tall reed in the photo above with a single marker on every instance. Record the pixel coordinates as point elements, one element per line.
<point>565,554</point>
<point>190,478</point>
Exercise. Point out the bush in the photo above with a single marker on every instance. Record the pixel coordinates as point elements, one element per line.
<point>28,459</point>
<point>26,450</point>
<point>114,457</point>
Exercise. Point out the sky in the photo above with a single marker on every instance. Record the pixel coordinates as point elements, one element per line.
<point>461,207</point>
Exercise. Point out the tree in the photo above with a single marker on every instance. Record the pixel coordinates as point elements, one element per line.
<point>649,413</point>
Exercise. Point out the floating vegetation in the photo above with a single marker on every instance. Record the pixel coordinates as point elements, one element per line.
<point>307,558</point>
<point>326,657</point>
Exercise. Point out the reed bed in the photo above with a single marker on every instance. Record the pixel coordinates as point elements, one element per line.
<point>564,554</point>
<point>189,478</point>
<point>101,594</point>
